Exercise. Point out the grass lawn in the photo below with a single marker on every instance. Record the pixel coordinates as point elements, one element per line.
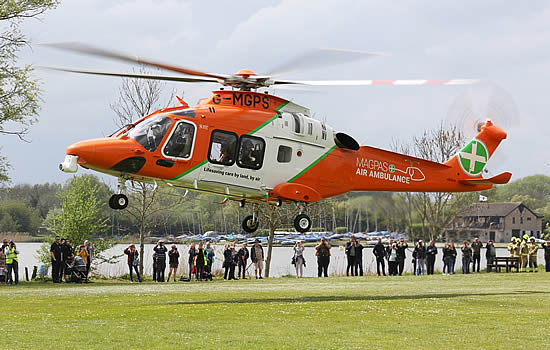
<point>482,311</point>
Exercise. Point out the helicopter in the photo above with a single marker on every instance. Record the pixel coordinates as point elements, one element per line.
<point>254,147</point>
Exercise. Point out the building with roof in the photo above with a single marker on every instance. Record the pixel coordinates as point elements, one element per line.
<point>494,221</point>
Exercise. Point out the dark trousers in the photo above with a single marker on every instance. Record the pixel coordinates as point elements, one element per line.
<point>430,263</point>
<point>351,264</point>
<point>161,266</point>
<point>14,266</point>
<point>56,271</point>
<point>358,267</point>
<point>154,271</point>
<point>477,258</point>
<point>208,270</point>
<point>225,271</point>
<point>322,265</point>
<point>199,272</point>
<point>547,264</point>
<point>242,268</point>
<point>392,268</point>
<point>466,265</point>
<point>88,263</point>
<point>401,266</point>
<point>380,262</point>
<point>190,270</point>
<point>134,267</point>
<point>490,261</point>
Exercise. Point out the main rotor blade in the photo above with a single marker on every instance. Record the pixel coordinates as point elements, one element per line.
<point>322,58</point>
<point>379,82</point>
<point>139,76</point>
<point>90,50</point>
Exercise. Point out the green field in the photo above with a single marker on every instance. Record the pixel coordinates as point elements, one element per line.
<point>487,311</point>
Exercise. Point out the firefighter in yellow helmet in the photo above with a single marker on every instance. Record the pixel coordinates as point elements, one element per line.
<point>524,253</point>
<point>533,247</point>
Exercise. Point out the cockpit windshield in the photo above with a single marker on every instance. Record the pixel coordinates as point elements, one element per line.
<point>150,132</point>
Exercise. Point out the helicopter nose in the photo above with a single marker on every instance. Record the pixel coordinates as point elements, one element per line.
<point>105,153</point>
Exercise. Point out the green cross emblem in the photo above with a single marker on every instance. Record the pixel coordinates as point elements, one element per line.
<point>391,168</point>
<point>473,157</point>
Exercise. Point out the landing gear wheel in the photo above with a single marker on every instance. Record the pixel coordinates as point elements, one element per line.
<point>250,224</point>
<point>302,223</point>
<point>118,201</point>
<point>112,203</point>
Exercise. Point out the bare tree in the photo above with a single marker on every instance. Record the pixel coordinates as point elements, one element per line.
<point>436,209</point>
<point>138,98</point>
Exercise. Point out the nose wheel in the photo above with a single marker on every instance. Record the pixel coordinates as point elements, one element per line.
<point>250,224</point>
<point>302,223</point>
<point>118,201</point>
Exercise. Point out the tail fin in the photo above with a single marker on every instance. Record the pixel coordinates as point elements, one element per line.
<point>472,158</point>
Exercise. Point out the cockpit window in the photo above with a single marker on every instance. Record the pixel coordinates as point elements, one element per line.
<point>180,143</point>
<point>150,132</point>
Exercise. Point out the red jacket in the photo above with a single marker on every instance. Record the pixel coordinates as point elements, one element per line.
<point>131,256</point>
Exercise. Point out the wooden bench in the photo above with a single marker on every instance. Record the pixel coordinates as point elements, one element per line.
<point>507,262</point>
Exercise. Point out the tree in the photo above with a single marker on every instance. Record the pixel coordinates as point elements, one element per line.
<point>81,216</point>
<point>436,209</point>
<point>19,91</point>
<point>18,217</point>
<point>145,203</point>
<point>138,98</point>
<point>42,197</point>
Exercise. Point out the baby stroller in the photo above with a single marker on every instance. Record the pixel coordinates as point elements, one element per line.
<point>77,270</point>
<point>2,273</point>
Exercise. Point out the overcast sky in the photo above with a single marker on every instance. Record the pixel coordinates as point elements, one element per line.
<point>507,42</point>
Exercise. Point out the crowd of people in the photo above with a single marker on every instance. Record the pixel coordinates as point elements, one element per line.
<point>201,257</point>
<point>64,257</point>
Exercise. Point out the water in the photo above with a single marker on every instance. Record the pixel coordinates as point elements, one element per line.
<point>280,264</point>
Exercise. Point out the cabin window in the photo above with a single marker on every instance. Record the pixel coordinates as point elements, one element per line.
<point>529,219</point>
<point>251,152</point>
<point>180,143</point>
<point>223,145</point>
<point>521,220</point>
<point>150,132</point>
<point>324,132</point>
<point>513,220</point>
<point>284,155</point>
<point>310,129</point>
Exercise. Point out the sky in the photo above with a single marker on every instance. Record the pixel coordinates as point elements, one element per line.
<point>505,42</point>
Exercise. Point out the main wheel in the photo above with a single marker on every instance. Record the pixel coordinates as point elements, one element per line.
<point>302,223</point>
<point>250,224</point>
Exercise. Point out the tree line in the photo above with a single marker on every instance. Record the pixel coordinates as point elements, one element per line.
<point>32,209</point>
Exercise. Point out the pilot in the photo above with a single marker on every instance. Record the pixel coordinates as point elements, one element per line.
<point>154,136</point>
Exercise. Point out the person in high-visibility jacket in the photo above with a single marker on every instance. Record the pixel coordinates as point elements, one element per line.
<point>12,262</point>
<point>533,248</point>
<point>524,253</point>
<point>512,247</point>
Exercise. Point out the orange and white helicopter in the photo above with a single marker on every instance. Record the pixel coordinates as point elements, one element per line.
<point>255,147</point>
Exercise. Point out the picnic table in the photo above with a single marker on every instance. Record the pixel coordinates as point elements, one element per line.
<point>507,262</point>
